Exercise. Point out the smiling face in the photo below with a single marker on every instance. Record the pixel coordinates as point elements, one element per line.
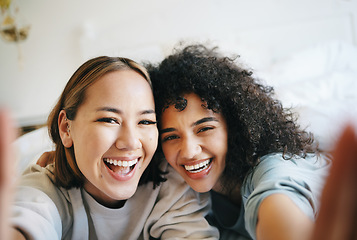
<point>194,142</point>
<point>114,135</point>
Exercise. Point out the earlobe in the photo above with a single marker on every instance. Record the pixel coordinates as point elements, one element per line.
<point>64,130</point>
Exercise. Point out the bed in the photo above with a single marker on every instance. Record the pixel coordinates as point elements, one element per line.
<point>320,83</point>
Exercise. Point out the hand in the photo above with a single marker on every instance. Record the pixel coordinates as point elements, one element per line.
<point>337,219</point>
<point>46,158</point>
<point>7,171</point>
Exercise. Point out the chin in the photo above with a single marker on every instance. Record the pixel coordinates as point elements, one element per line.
<point>124,194</point>
<point>125,190</point>
<point>201,188</point>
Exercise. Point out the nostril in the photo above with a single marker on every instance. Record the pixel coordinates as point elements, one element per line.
<point>128,143</point>
<point>189,151</point>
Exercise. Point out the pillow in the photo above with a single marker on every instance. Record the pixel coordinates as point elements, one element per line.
<point>320,84</point>
<point>30,146</point>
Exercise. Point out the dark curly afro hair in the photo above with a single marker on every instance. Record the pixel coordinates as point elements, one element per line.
<point>257,122</point>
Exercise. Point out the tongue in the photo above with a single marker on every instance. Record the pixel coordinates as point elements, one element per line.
<point>119,169</point>
<point>123,170</point>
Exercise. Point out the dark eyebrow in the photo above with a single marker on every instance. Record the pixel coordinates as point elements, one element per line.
<point>203,120</point>
<point>149,111</point>
<point>118,111</point>
<point>167,130</point>
<point>109,109</point>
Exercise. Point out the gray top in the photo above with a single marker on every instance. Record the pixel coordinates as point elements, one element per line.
<point>171,211</point>
<point>300,179</point>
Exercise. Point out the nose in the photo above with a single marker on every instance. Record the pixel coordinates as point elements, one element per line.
<point>128,138</point>
<point>190,148</point>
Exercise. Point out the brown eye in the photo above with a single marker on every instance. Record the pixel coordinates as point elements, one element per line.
<point>204,129</point>
<point>147,122</point>
<point>108,120</point>
<point>169,137</point>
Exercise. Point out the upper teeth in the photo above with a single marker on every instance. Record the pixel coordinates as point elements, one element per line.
<point>197,166</point>
<point>121,163</point>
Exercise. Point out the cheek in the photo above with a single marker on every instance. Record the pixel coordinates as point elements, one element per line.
<point>169,153</point>
<point>221,148</point>
<point>150,141</point>
<point>93,144</point>
<point>221,141</point>
<point>99,141</point>
<point>218,144</point>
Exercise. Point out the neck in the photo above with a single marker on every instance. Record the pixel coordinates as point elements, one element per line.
<point>102,199</point>
<point>233,194</point>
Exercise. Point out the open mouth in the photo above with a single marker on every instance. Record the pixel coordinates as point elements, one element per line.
<point>198,167</point>
<point>119,166</point>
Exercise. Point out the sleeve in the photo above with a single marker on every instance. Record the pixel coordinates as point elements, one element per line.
<point>34,211</point>
<point>180,212</point>
<point>300,179</point>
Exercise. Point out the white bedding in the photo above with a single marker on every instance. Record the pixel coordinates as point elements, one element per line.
<point>321,84</point>
<point>30,146</point>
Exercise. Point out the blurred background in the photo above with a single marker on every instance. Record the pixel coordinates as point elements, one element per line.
<point>43,42</point>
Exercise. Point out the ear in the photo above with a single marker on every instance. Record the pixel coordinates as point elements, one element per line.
<point>64,129</point>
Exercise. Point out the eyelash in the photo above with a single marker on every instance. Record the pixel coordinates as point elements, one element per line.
<point>108,120</point>
<point>147,122</point>
<point>204,129</point>
<point>172,137</point>
<point>113,120</point>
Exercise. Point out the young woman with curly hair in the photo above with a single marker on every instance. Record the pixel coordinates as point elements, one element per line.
<point>224,132</point>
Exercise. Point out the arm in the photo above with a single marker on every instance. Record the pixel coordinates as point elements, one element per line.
<point>15,234</point>
<point>294,184</point>
<point>280,219</point>
<point>338,213</point>
<point>7,173</point>
<point>35,208</point>
<point>38,206</point>
<point>46,158</point>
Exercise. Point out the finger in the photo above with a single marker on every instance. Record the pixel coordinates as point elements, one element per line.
<point>7,170</point>
<point>45,159</point>
<point>337,217</point>
<point>7,136</point>
<point>345,179</point>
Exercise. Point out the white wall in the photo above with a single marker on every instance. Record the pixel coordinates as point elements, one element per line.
<point>66,33</point>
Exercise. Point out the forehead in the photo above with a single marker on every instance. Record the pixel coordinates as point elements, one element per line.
<point>194,110</point>
<point>186,103</point>
<point>122,78</point>
<point>120,83</point>
<point>123,88</point>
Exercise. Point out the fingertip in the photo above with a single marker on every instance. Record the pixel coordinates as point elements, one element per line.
<point>7,125</point>
<point>7,154</point>
<point>347,140</point>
